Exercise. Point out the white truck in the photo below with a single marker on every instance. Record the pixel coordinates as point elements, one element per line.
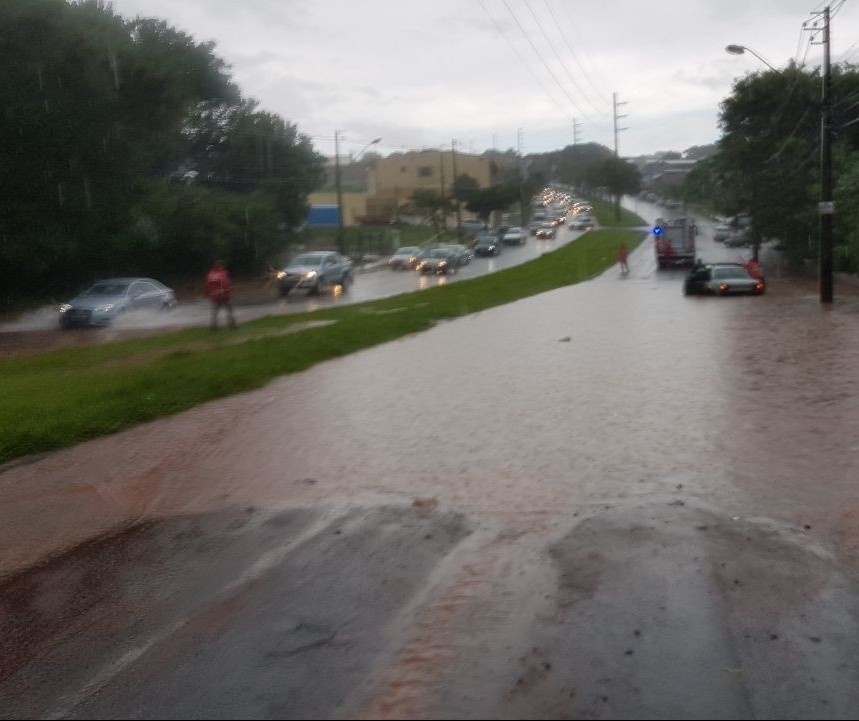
<point>674,241</point>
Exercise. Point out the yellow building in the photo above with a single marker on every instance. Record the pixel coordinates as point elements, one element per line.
<point>396,177</point>
<point>392,180</point>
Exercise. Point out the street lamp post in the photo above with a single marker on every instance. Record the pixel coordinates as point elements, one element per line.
<point>742,49</point>
<point>339,184</point>
<point>826,206</point>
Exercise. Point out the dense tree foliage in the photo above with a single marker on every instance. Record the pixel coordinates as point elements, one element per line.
<point>101,115</point>
<point>767,162</point>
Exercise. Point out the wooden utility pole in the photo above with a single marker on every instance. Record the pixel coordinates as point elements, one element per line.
<point>615,106</point>
<point>826,207</point>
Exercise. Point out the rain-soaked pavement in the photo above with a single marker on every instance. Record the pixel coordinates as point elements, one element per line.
<point>606,501</point>
<point>37,330</point>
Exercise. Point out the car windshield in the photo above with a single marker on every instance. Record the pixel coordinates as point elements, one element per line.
<point>310,259</point>
<point>440,253</point>
<point>730,274</point>
<point>107,289</point>
<point>406,251</point>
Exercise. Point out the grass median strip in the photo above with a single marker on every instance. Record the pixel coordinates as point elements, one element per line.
<point>60,398</point>
<point>604,213</point>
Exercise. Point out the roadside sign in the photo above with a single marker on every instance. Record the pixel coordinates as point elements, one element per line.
<point>826,207</point>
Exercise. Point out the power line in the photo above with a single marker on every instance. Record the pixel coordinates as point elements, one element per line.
<point>543,60</point>
<point>524,62</point>
<point>593,70</point>
<point>560,59</point>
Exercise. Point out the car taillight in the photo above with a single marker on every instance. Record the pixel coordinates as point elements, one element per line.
<point>723,287</point>
<point>760,286</point>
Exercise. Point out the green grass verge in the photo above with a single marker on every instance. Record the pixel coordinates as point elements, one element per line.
<point>604,213</point>
<point>60,398</point>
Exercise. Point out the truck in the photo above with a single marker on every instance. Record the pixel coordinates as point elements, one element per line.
<point>674,241</point>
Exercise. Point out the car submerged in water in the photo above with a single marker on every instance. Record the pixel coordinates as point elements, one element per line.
<point>103,302</point>
<point>722,279</point>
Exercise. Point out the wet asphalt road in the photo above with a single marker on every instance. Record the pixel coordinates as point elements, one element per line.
<point>37,330</point>
<point>606,501</point>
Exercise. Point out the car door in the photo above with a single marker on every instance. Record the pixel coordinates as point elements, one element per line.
<point>329,269</point>
<point>144,295</point>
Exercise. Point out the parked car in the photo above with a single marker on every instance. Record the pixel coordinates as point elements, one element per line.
<point>514,236</point>
<point>547,232</point>
<point>722,279</point>
<point>440,261</point>
<point>582,222</point>
<point>737,239</point>
<point>103,302</point>
<point>473,227</point>
<point>406,258</point>
<point>721,233</point>
<point>316,272</point>
<point>487,244</point>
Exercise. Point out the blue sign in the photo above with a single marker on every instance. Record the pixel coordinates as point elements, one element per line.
<point>323,216</point>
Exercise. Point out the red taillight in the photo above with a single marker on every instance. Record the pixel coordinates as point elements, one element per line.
<point>723,287</point>
<point>760,286</point>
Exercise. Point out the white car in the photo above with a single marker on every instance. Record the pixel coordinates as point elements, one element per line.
<point>514,236</point>
<point>721,233</point>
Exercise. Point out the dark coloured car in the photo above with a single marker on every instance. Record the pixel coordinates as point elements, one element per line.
<point>547,231</point>
<point>487,244</point>
<point>463,253</point>
<point>103,302</point>
<point>406,258</point>
<point>440,261</point>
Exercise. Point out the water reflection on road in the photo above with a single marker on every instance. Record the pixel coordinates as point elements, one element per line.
<point>662,486</point>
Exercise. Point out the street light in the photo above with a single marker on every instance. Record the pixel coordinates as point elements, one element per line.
<point>741,49</point>
<point>364,149</point>
<point>826,206</point>
<point>340,242</point>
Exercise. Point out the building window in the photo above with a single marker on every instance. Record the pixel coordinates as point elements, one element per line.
<point>425,171</point>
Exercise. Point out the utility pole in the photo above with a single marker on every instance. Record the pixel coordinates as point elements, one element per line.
<point>576,126</point>
<point>441,179</point>
<point>453,185</point>
<point>826,207</point>
<point>340,239</point>
<point>615,106</point>
<point>520,145</point>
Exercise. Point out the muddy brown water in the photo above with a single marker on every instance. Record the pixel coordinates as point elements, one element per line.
<point>634,505</point>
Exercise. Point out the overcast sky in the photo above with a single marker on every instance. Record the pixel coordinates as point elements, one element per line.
<point>418,73</point>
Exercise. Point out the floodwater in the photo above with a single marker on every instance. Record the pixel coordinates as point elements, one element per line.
<point>606,501</point>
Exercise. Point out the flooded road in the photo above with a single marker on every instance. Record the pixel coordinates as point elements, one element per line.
<point>606,501</point>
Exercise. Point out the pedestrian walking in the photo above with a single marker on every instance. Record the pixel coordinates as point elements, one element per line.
<point>219,290</point>
<point>622,257</point>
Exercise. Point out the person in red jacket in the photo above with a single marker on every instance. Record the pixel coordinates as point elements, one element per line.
<point>219,290</point>
<point>622,258</point>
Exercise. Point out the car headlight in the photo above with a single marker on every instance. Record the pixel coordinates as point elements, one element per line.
<point>104,308</point>
<point>310,275</point>
<point>64,308</point>
<point>281,275</point>
<point>442,264</point>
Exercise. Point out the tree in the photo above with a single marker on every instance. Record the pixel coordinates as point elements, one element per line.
<point>767,159</point>
<point>431,207</point>
<point>617,176</point>
<point>485,201</point>
<point>98,111</point>
<point>238,147</point>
